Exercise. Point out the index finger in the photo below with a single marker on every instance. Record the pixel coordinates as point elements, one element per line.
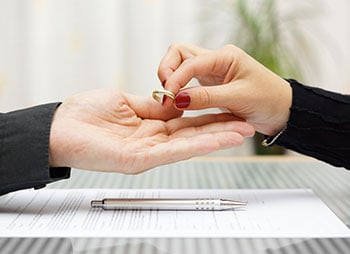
<point>175,56</point>
<point>195,67</point>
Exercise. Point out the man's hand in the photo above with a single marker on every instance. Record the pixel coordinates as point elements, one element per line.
<point>106,130</point>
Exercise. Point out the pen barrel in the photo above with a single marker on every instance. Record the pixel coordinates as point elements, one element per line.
<point>161,204</point>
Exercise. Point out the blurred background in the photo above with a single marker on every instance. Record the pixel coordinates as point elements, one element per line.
<point>50,49</point>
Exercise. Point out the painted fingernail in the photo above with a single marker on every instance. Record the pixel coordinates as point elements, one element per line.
<point>164,99</point>
<point>182,100</point>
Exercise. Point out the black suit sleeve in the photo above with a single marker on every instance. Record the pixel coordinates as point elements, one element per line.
<point>24,149</point>
<point>319,125</point>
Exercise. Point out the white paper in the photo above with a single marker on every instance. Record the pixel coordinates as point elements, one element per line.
<point>286,213</point>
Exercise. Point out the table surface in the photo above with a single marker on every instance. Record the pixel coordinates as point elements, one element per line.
<point>331,184</point>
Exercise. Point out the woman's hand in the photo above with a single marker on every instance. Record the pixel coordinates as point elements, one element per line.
<point>106,130</point>
<point>230,79</point>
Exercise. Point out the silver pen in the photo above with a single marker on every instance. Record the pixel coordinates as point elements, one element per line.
<point>167,204</point>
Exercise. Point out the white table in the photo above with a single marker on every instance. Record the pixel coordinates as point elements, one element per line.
<point>331,184</point>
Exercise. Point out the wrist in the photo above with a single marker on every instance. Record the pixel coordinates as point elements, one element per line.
<point>274,112</point>
<point>283,114</point>
<point>281,108</point>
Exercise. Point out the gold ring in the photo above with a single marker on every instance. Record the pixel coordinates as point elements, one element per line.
<point>159,94</point>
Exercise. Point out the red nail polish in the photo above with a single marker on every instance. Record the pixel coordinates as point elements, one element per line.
<point>182,100</point>
<point>164,99</point>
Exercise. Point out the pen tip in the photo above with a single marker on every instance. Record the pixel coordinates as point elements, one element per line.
<point>232,203</point>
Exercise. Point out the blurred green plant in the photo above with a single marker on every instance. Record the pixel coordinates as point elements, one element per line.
<point>263,33</point>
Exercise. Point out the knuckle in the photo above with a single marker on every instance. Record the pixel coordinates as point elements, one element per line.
<point>204,97</point>
<point>188,62</point>
<point>239,53</point>
<point>229,47</point>
<point>174,46</point>
<point>233,50</point>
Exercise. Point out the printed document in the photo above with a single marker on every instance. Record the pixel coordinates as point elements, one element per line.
<point>287,213</point>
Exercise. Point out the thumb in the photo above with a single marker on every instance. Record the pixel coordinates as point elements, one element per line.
<point>146,107</point>
<point>203,97</point>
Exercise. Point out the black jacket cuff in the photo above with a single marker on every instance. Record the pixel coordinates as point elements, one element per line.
<point>24,149</point>
<point>319,125</point>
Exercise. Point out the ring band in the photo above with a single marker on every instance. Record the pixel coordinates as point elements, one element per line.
<point>159,94</point>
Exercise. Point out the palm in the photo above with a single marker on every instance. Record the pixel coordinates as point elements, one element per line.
<point>125,133</point>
